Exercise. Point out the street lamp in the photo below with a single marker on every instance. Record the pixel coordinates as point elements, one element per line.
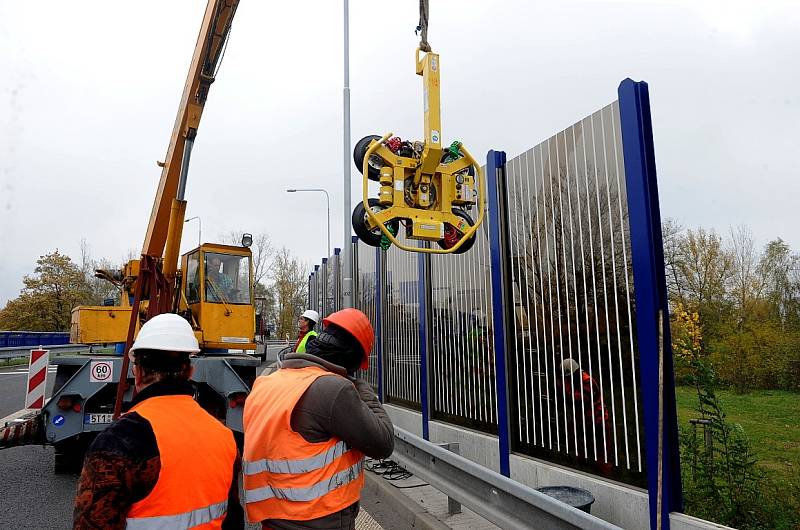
<point>328,200</point>
<point>199,228</point>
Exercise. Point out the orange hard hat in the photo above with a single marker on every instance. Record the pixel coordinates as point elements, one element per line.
<point>356,324</point>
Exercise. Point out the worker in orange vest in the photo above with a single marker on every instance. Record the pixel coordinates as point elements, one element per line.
<point>590,435</point>
<point>307,428</point>
<point>167,463</point>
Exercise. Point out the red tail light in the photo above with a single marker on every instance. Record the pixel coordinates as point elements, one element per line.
<point>69,402</point>
<point>237,399</point>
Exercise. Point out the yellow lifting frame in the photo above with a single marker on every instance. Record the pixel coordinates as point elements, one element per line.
<point>428,68</point>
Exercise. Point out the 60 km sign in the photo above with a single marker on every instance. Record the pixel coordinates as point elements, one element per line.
<point>100,371</point>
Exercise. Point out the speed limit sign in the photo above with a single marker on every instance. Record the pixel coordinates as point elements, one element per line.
<point>100,372</point>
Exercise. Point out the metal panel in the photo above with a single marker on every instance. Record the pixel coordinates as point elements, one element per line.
<point>323,288</point>
<point>32,338</point>
<point>335,281</point>
<point>572,289</point>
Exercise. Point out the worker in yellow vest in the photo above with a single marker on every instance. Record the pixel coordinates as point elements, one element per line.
<point>305,325</point>
<point>307,428</point>
<point>167,463</point>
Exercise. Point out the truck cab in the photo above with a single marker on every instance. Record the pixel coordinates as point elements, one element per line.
<point>217,293</point>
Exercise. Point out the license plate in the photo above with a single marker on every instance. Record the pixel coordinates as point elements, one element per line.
<point>93,419</point>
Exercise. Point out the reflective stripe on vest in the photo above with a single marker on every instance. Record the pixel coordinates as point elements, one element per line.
<point>305,494</point>
<point>181,521</point>
<point>285,476</point>
<point>301,348</point>
<point>296,466</point>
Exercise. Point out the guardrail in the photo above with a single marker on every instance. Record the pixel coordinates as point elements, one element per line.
<point>15,352</point>
<point>491,495</point>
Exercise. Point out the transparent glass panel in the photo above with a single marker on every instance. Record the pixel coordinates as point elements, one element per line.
<point>401,337</point>
<point>462,360</point>
<point>574,359</point>
<point>365,299</point>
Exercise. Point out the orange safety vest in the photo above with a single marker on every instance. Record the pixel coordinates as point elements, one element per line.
<point>286,477</point>
<point>197,455</point>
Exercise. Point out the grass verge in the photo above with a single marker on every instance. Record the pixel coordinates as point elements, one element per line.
<point>771,419</point>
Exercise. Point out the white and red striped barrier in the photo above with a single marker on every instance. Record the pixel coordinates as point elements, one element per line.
<point>37,378</point>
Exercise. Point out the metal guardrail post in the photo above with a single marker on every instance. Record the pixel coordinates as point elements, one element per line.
<point>453,506</point>
<point>500,500</point>
<point>647,253</point>
<point>495,178</point>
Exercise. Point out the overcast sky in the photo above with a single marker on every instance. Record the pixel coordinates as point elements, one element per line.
<point>89,92</point>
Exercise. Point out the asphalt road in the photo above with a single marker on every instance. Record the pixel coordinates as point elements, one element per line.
<point>12,387</point>
<point>35,498</point>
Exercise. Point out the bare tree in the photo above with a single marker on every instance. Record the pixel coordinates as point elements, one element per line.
<point>705,265</point>
<point>99,289</point>
<point>746,281</point>
<point>289,288</point>
<point>673,238</point>
<point>262,249</point>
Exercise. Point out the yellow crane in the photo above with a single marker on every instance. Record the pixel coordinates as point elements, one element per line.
<point>213,290</point>
<point>213,287</point>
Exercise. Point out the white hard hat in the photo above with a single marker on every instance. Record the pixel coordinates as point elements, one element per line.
<point>569,366</point>
<point>166,332</point>
<point>311,315</point>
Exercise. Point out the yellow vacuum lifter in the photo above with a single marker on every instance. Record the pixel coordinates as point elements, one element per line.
<point>423,186</point>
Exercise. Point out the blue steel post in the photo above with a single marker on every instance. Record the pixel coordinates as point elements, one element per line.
<point>495,180</point>
<point>379,317</point>
<point>423,294</point>
<point>650,290</point>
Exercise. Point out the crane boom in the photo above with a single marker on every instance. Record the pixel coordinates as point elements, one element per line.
<point>208,52</point>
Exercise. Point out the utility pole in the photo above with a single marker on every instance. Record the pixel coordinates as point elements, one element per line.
<point>347,246</point>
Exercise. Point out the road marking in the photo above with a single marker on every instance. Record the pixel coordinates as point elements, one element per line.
<point>49,370</point>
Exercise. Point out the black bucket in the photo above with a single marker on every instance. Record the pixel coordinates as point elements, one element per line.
<point>576,497</point>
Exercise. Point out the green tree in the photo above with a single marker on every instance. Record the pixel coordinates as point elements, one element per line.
<point>47,298</point>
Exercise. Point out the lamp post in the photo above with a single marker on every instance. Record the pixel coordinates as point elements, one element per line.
<point>347,247</point>
<point>199,228</point>
<point>328,201</point>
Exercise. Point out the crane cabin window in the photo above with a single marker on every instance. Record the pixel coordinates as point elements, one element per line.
<point>227,278</point>
<point>193,278</point>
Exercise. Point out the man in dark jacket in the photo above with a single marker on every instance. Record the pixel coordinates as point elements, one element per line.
<point>307,428</point>
<point>167,458</point>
